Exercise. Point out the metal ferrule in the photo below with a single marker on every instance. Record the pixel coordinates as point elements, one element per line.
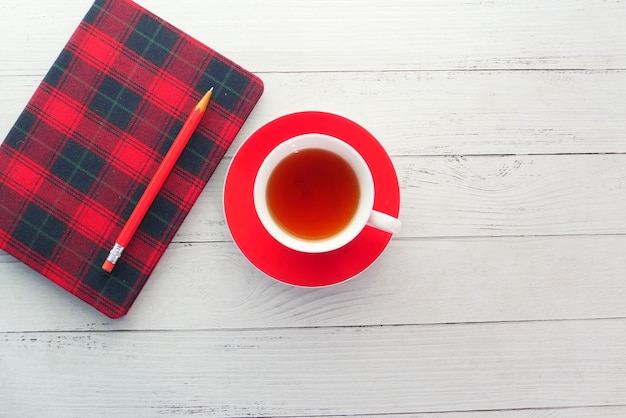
<point>116,253</point>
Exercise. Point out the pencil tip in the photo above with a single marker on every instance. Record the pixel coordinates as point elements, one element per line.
<point>204,102</point>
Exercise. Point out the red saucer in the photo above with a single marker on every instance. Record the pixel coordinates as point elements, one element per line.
<point>273,258</point>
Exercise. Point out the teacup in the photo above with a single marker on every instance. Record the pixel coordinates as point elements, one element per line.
<point>314,193</point>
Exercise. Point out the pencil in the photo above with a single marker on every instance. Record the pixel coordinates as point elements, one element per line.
<point>157,181</point>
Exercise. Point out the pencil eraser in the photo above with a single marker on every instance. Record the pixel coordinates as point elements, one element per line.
<point>108,266</point>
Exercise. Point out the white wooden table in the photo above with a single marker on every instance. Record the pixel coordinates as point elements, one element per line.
<point>503,296</point>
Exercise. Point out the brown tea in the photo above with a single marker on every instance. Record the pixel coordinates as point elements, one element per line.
<point>313,193</point>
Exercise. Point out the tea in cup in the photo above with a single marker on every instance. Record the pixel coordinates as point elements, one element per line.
<point>314,193</point>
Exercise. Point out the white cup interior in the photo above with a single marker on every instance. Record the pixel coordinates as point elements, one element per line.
<point>345,151</point>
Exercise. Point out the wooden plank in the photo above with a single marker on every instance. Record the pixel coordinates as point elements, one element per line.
<point>592,412</point>
<point>418,281</point>
<point>441,112</point>
<point>479,196</point>
<point>333,35</point>
<point>468,112</point>
<point>316,371</point>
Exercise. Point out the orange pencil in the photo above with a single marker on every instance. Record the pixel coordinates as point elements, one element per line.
<point>157,182</point>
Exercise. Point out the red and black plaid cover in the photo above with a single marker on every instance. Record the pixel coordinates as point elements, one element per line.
<point>81,154</point>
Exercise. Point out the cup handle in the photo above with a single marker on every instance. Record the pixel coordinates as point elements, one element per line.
<point>384,222</point>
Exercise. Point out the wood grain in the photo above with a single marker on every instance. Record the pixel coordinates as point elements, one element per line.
<point>479,196</point>
<point>318,371</point>
<point>465,112</point>
<point>333,35</point>
<point>417,281</point>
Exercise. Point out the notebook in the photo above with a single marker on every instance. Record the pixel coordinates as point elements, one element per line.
<point>82,152</point>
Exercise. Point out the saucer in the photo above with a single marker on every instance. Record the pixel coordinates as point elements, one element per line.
<point>270,256</point>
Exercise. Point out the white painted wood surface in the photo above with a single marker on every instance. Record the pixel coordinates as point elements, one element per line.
<point>503,296</point>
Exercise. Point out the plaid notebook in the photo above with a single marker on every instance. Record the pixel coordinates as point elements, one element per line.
<point>81,154</point>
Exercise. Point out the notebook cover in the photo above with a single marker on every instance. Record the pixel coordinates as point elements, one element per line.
<point>82,152</point>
